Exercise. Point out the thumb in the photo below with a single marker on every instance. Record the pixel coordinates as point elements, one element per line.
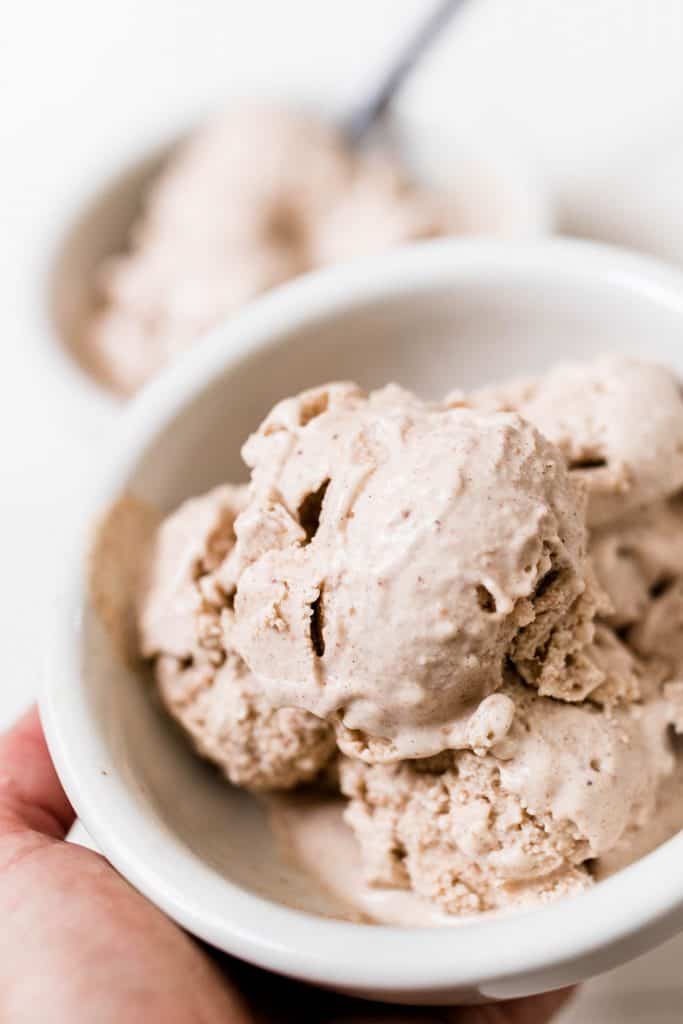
<point>31,795</point>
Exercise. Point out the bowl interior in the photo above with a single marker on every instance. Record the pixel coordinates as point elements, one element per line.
<point>460,330</point>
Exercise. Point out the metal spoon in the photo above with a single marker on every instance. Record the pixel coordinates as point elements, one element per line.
<point>366,116</point>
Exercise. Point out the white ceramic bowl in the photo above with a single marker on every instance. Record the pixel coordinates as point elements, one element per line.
<point>433,317</point>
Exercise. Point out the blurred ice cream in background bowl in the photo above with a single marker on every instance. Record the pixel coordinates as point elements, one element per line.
<point>256,196</point>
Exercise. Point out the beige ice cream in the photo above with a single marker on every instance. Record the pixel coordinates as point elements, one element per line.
<point>258,747</point>
<point>637,557</point>
<point>659,634</point>
<point>478,832</point>
<point>258,196</point>
<point>423,589</point>
<point>618,422</point>
<point>206,687</point>
<point>393,555</point>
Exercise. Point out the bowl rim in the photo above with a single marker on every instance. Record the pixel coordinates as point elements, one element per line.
<point>327,951</point>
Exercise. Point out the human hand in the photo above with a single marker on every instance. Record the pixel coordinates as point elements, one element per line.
<point>79,945</point>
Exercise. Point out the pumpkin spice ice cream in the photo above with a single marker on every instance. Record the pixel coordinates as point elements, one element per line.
<point>206,686</point>
<point>254,198</point>
<point>416,547</point>
<point>617,421</point>
<point>522,821</point>
<point>436,609</point>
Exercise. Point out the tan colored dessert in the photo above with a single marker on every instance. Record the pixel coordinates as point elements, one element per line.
<point>205,686</point>
<point>520,822</point>
<point>373,497</point>
<point>421,588</point>
<point>256,197</point>
<point>637,557</point>
<point>618,422</point>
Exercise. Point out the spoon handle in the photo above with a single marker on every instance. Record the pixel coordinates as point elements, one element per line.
<point>370,111</point>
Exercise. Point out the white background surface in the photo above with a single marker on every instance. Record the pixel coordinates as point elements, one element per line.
<point>590,93</point>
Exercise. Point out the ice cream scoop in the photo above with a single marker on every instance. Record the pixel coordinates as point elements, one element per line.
<point>207,688</point>
<point>391,557</point>
<point>618,421</point>
<point>637,557</point>
<point>518,823</point>
<point>256,746</point>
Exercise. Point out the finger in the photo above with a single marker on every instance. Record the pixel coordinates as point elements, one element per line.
<point>277,1000</point>
<point>31,795</point>
<point>534,1010</point>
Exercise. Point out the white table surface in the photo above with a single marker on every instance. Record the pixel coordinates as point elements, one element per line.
<point>590,93</point>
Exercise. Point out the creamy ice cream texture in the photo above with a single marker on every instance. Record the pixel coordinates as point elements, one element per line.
<point>206,686</point>
<point>617,421</point>
<point>477,832</point>
<point>415,548</point>
<point>451,614</point>
<point>257,196</point>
